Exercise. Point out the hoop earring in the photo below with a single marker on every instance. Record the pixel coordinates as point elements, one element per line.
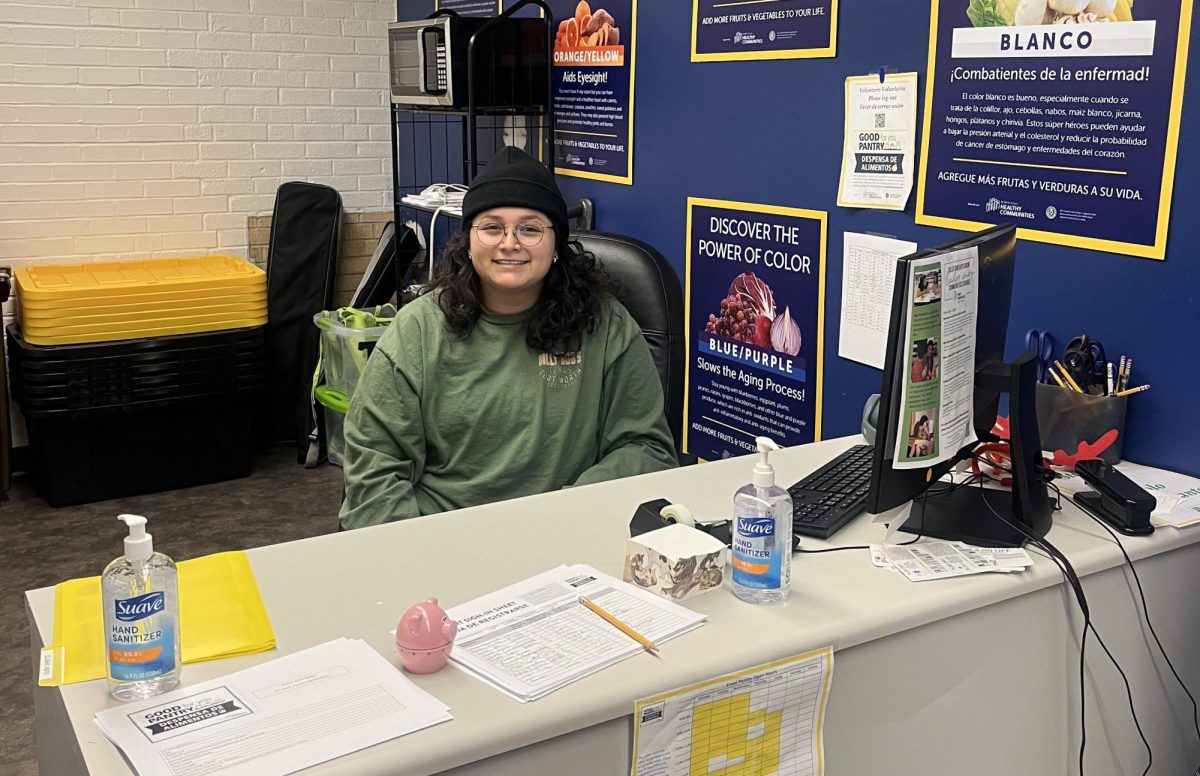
<point>555,258</point>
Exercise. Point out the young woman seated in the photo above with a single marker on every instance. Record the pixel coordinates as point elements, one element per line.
<point>514,373</point>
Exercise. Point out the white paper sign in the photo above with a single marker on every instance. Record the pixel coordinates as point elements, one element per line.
<point>868,276</point>
<point>881,131</point>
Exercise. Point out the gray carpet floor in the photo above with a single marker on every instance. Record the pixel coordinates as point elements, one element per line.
<point>42,546</point>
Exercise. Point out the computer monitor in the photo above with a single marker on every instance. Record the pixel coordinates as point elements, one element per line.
<point>966,514</point>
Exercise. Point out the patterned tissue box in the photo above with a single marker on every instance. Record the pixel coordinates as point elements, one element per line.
<point>676,562</point>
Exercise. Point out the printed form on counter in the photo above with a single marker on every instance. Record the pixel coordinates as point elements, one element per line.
<point>532,638</point>
<point>938,380</point>
<point>1177,495</point>
<point>939,560</point>
<point>277,717</point>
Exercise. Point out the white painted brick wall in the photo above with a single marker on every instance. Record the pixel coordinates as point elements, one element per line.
<point>138,127</point>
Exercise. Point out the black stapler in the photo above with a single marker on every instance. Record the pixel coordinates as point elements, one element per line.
<point>1117,500</point>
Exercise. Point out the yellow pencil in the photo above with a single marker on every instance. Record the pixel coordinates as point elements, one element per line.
<point>1128,391</point>
<point>1067,375</point>
<point>1057,379</point>
<point>630,632</point>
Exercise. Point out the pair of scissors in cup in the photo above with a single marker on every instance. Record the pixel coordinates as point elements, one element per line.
<point>1042,344</point>
<point>1086,360</point>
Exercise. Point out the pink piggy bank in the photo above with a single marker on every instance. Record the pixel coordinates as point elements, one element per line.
<point>424,637</point>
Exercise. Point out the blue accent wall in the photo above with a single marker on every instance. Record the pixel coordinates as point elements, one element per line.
<point>771,132</point>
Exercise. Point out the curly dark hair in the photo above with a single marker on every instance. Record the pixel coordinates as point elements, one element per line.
<point>568,306</point>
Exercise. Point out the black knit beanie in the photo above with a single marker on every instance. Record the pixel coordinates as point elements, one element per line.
<point>515,179</point>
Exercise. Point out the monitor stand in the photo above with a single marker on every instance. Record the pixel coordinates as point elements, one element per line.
<point>963,514</point>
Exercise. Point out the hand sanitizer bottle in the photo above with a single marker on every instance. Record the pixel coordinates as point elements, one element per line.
<point>762,535</point>
<point>141,617</point>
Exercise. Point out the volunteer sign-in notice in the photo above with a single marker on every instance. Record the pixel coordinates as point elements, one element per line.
<point>880,142</point>
<point>1065,124</point>
<point>755,285</point>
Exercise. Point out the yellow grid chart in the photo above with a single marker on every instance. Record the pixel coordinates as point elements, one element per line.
<point>730,740</point>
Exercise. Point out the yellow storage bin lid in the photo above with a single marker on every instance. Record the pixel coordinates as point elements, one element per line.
<point>160,300</point>
<point>138,276</point>
<point>59,323</point>
<point>109,334</point>
<point>150,326</point>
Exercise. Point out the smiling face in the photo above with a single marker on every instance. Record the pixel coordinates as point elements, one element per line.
<point>511,273</point>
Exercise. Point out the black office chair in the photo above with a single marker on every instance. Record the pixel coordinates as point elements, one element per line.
<point>649,288</point>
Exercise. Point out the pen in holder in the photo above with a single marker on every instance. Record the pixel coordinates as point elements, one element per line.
<point>1081,425</point>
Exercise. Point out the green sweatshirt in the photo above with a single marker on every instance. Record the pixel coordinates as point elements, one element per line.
<point>440,422</point>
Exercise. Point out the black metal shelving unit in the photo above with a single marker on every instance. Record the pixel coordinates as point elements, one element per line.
<point>433,145</point>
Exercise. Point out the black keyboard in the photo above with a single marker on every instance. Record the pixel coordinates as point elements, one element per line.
<point>831,496</point>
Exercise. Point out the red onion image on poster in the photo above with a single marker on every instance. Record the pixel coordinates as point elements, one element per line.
<point>748,314</point>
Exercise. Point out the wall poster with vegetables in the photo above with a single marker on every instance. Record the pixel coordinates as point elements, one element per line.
<point>593,88</point>
<point>1061,116</point>
<point>755,290</point>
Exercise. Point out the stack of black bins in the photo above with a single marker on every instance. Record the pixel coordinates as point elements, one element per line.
<point>113,419</point>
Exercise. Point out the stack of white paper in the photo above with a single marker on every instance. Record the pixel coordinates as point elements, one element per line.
<point>274,718</point>
<point>939,560</point>
<point>1178,495</point>
<point>534,637</point>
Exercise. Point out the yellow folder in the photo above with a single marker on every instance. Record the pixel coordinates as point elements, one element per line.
<point>220,615</point>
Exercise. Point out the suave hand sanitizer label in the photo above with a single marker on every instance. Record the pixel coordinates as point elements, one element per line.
<point>755,564</point>
<point>141,644</point>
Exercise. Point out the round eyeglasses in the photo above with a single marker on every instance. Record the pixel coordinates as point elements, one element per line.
<point>529,234</point>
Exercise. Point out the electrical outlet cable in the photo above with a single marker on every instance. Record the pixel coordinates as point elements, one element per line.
<point>1068,571</point>
<point>1146,613</point>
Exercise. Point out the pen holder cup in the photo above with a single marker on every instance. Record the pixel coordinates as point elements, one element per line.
<point>1080,423</point>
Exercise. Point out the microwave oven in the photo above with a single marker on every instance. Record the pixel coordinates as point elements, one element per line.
<point>428,63</point>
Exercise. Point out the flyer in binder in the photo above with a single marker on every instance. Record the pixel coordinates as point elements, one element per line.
<point>938,384</point>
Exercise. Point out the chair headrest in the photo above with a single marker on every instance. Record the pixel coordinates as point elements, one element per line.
<point>646,283</point>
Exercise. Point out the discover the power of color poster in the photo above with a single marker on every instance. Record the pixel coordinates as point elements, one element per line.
<point>594,44</point>
<point>755,290</point>
<point>1060,117</point>
<point>725,30</point>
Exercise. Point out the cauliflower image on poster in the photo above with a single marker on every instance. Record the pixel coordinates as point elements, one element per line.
<point>748,315</point>
<point>1022,13</point>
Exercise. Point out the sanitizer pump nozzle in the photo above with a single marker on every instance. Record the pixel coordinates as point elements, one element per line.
<point>764,474</point>
<point>139,545</point>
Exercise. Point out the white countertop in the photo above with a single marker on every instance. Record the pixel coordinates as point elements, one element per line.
<point>357,584</point>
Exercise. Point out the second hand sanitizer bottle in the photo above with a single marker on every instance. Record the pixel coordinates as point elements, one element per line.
<point>762,535</point>
<point>141,617</point>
